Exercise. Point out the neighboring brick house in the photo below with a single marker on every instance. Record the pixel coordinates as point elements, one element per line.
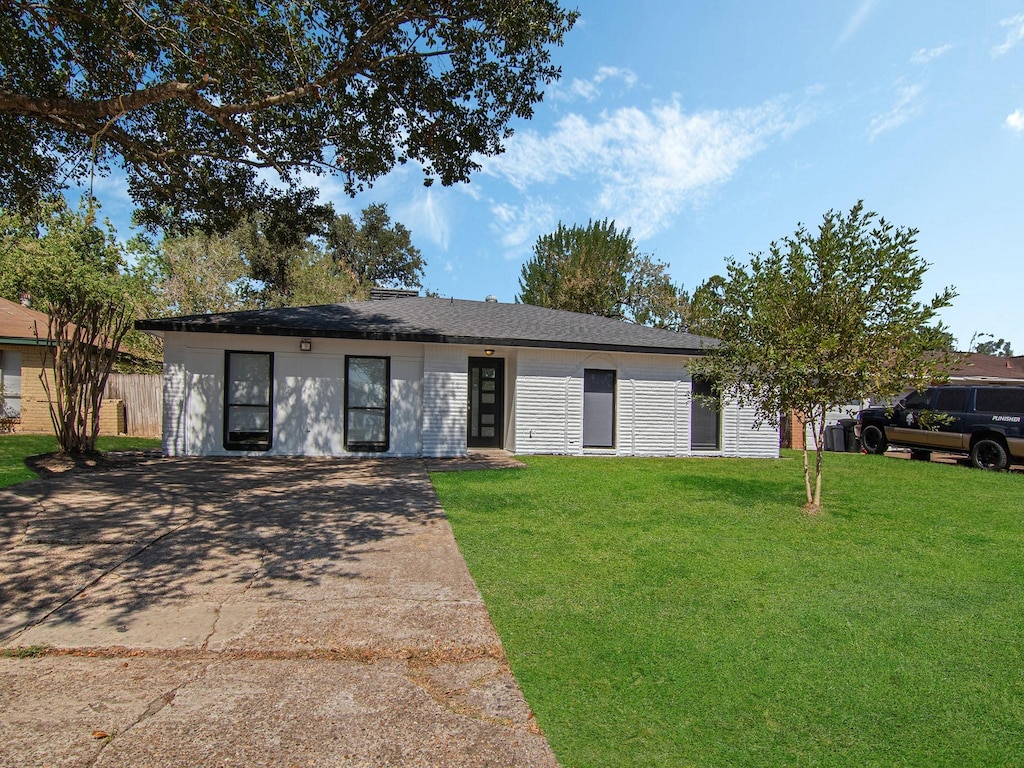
<point>974,368</point>
<point>23,342</point>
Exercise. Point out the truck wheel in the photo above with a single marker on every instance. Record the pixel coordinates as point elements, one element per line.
<point>989,454</point>
<point>873,439</point>
<point>918,455</point>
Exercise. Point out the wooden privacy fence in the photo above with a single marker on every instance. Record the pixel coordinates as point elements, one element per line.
<point>143,401</point>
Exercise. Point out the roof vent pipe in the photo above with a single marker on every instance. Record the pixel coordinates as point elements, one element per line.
<point>491,298</point>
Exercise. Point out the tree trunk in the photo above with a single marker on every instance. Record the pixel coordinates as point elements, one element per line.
<point>816,418</point>
<point>82,344</point>
<point>807,475</point>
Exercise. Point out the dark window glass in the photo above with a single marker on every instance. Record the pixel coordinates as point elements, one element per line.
<point>951,400</point>
<point>598,408</point>
<point>999,400</point>
<point>917,399</point>
<point>248,400</point>
<point>705,418</point>
<point>367,403</point>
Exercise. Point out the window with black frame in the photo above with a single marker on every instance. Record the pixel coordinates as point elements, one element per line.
<point>705,417</point>
<point>598,408</point>
<point>367,403</point>
<point>248,399</point>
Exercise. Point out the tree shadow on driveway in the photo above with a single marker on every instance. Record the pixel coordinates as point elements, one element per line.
<point>170,530</point>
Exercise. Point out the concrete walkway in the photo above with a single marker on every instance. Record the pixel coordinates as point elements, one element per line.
<point>230,612</point>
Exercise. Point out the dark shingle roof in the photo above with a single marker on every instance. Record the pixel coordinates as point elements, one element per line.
<point>443,321</point>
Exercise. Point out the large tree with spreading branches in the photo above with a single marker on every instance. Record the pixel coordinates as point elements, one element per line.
<point>193,99</point>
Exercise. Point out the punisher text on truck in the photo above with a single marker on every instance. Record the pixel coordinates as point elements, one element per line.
<point>983,422</point>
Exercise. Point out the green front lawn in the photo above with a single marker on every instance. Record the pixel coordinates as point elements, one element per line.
<point>687,612</point>
<point>14,449</point>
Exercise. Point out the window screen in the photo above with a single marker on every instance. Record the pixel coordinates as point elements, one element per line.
<point>248,396</point>
<point>367,403</point>
<point>598,408</point>
<point>10,384</point>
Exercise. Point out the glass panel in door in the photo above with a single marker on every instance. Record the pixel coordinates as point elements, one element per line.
<point>486,402</point>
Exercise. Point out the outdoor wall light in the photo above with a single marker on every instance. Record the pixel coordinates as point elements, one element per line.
<point>488,352</point>
<point>305,345</point>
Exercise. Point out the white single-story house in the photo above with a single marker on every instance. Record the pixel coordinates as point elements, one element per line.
<point>433,377</point>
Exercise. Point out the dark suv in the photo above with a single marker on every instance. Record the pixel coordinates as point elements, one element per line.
<point>984,422</point>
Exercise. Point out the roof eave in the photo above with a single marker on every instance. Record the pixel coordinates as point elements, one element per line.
<point>25,342</point>
<point>161,326</point>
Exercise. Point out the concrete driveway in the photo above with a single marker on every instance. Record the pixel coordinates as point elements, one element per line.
<point>231,612</point>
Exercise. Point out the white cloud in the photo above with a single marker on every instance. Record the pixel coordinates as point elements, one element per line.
<point>907,107</point>
<point>643,166</point>
<point>1015,121</point>
<point>427,216</point>
<point>856,21</point>
<point>924,55</point>
<point>1015,35</point>
<point>590,89</point>
<point>519,225</point>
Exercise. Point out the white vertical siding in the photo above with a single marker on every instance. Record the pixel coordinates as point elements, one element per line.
<point>651,421</point>
<point>174,393</point>
<point>651,402</point>
<point>406,429</point>
<point>652,407</point>
<point>204,402</point>
<point>549,402</point>
<point>309,401</point>
<point>309,393</point>
<point>511,370</point>
<point>445,393</point>
<point>741,438</point>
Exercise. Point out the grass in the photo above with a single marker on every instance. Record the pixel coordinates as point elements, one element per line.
<point>687,612</point>
<point>14,449</point>
<point>25,652</point>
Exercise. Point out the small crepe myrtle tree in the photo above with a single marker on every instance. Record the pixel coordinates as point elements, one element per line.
<point>824,318</point>
<point>73,271</point>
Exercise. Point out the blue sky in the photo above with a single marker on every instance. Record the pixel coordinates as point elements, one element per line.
<point>711,129</point>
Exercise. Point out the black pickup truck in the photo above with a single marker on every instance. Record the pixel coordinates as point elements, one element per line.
<point>983,422</point>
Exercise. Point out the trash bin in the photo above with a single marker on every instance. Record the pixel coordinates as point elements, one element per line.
<point>835,438</point>
<point>850,439</point>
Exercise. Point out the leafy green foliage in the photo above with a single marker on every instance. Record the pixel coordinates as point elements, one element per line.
<point>73,271</point>
<point>991,346</point>
<point>196,275</point>
<point>375,252</point>
<point>824,319</point>
<point>597,270</point>
<point>269,261</point>
<point>192,99</point>
<point>665,612</point>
